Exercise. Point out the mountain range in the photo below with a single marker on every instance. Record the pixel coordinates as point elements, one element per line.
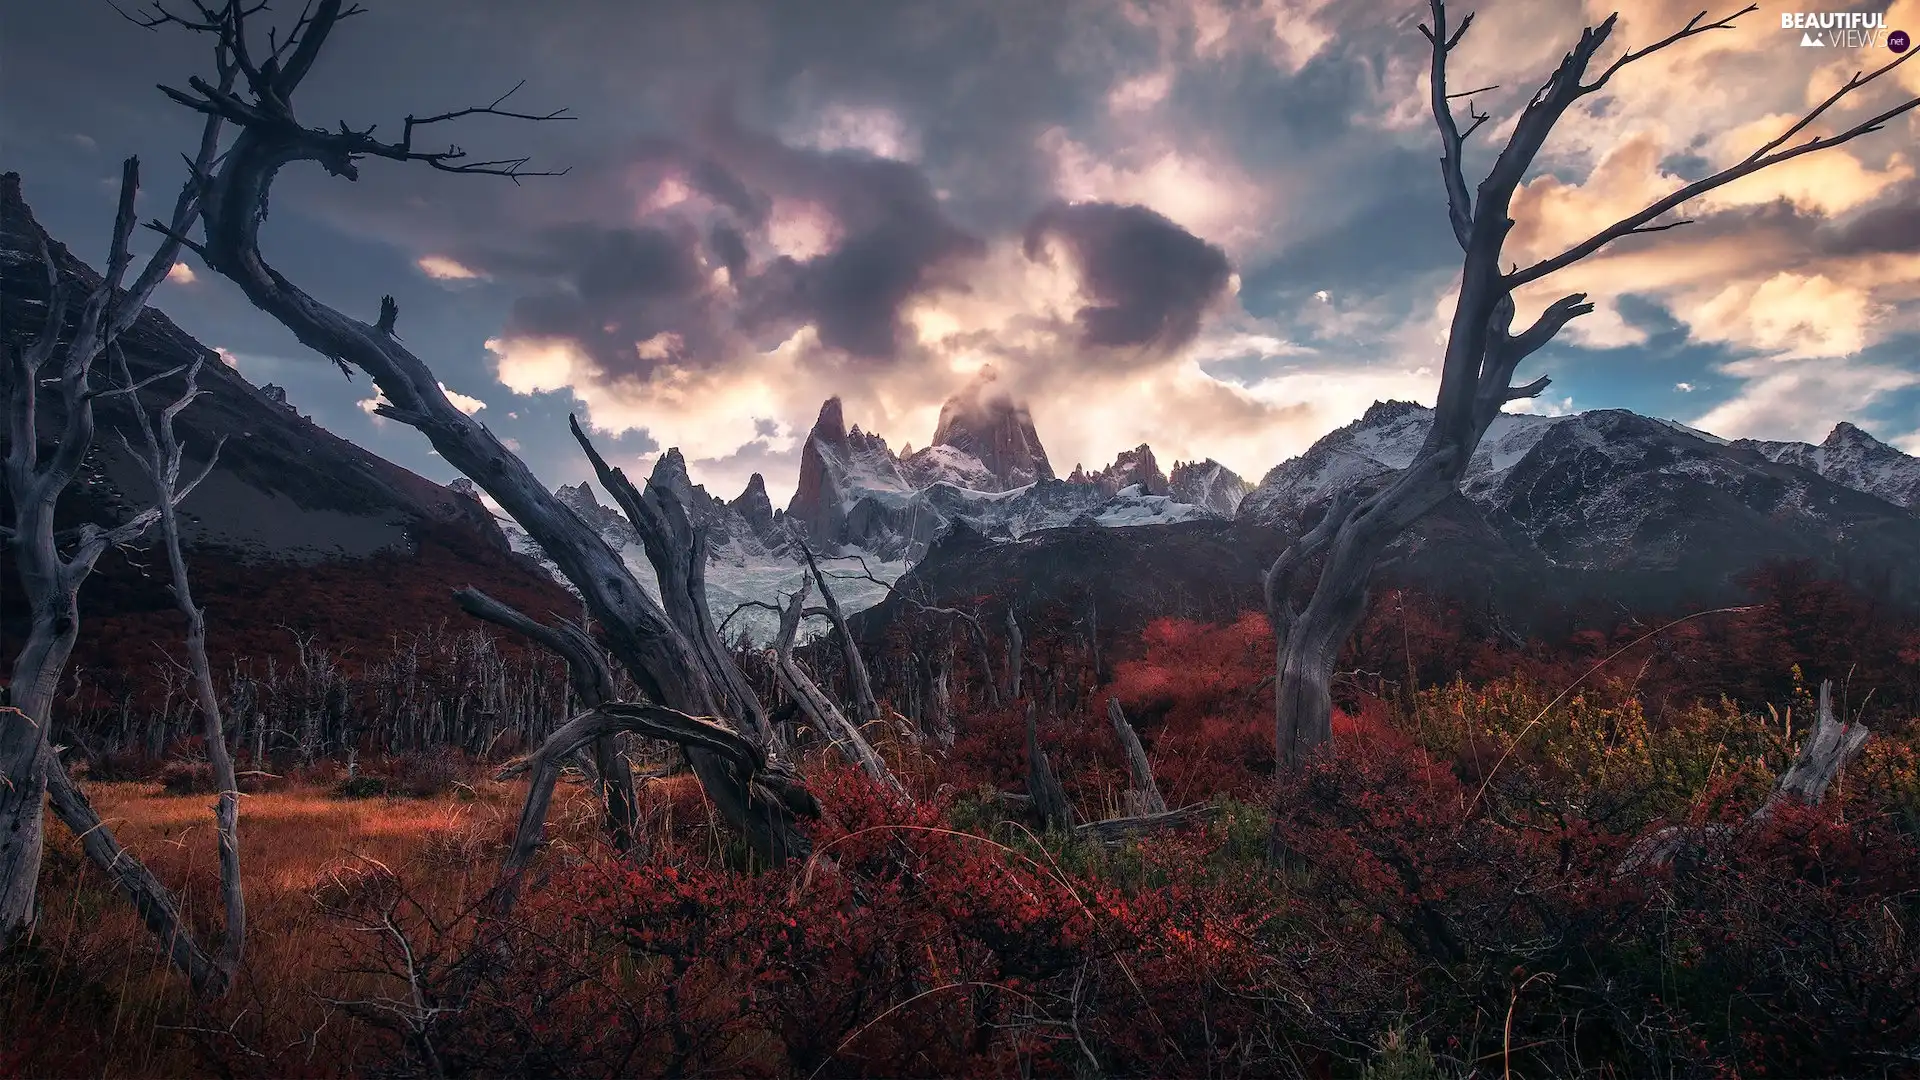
<point>1605,507</point>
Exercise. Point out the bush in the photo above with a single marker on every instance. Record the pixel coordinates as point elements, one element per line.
<point>187,778</point>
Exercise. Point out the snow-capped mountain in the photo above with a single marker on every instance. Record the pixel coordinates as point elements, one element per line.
<point>1612,490</point>
<point>1854,458</point>
<point>859,504</point>
<point>854,492</point>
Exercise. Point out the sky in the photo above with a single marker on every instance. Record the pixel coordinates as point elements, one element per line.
<point>1214,226</point>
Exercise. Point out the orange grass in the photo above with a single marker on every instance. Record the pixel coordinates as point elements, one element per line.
<point>92,995</point>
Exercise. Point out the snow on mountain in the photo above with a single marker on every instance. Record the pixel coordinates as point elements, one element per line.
<point>1611,490</point>
<point>1208,485</point>
<point>1851,457</point>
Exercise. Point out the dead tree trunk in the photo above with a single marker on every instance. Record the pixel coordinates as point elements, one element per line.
<point>743,755</point>
<point>1482,354</point>
<point>1830,747</point>
<point>1043,785</point>
<point>162,466</point>
<point>1144,797</point>
<point>592,685</point>
<point>49,581</point>
<point>866,709</point>
<point>818,708</point>
<point>670,663</point>
<point>1016,655</point>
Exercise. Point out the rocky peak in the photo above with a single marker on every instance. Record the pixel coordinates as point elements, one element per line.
<point>1133,468</point>
<point>1208,484</point>
<point>464,487</point>
<point>985,422</point>
<point>754,507</point>
<point>1854,458</point>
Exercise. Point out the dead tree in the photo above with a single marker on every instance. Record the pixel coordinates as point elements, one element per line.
<point>818,708</point>
<point>1482,352</point>
<point>1016,655</point>
<point>592,684</point>
<point>744,756</point>
<point>1043,784</point>
<point>50,580</point>
<point>866,710</point>
<point>1146,811</point>
<point>1144,797</point>
<point>1830,747</point>
<point>161,462</point>
<point>672,666</point>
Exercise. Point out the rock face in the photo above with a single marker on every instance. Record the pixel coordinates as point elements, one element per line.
<point>1853,458</point>
<point>854,493</point>
<point>982,422</point>
<point>1651,507</point>
<point>1135,467</point>
<point>291,525</point>
<point>1208,485</point>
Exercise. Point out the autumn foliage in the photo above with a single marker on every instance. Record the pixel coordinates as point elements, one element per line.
<point>1442,895</point>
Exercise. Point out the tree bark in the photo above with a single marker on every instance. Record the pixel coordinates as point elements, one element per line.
<point>593,685</point>
<point>670,665</point>
<point>866,710</point>
<point>818,708</point>
<point>1829,748</point>
<point>1144,797</point>
<point>1043,785</point>
<point>162,466</point>
<point>718,741</point>
<point>50,582</point>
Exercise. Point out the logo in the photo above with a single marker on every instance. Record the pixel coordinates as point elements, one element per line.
<point>1844,30</point>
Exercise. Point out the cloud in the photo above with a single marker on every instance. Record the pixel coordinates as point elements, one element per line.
<point>1683,387</point>
<point>227,357</point>
<point>1800,399</point>
<point>443,268</point>
<point>181,274</point>
<point>463,402</point>
<point>1150,281</point>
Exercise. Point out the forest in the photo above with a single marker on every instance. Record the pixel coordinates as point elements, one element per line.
<point>1356,831</point>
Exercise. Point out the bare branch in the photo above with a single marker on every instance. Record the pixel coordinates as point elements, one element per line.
<point>1452,171</point>
<point>1768,155</point>
<point>1694,28</point>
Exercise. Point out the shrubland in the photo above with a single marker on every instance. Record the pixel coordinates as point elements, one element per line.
<point>1445,893</point>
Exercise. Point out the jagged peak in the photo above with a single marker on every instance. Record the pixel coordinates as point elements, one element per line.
<point>1382,411</point>
<point>756,485</point>
<point>831,424</point>
<point>582,492</point>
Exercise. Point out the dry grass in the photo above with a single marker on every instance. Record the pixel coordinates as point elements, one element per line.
<point>99,993</point>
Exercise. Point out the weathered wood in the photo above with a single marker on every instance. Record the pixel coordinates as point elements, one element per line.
<point>1116,830</point>
<point>592,683</point>
<point>818,708</point>
<point>1144,797</point>
<point>1829,748</point>
<point>775,790</point>
<point>155,904</point>
<point>866,709</point>
<point>162,463</point>
<point>671,664</point>
<point>49,581</point>
<point>1016,655</point>
<point>1043,785</point>
<point>1482,353</point>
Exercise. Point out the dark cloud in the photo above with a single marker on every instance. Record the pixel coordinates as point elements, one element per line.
<point>1151,279</point>
<point>730,248</point>
<point>608,289</point>
<point>1892,227</point>
<point>894,236</point>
